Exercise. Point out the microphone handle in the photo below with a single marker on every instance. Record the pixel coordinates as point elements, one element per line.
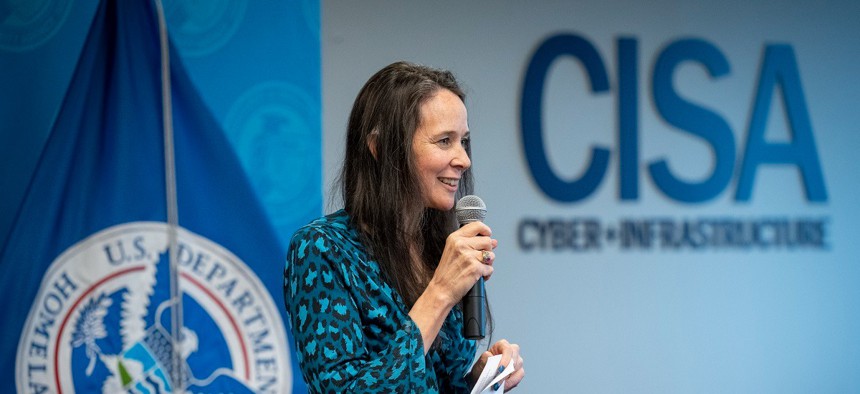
<point>474,317</point>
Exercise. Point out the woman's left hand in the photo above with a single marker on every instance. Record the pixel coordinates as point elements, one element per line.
<point>509,351</point>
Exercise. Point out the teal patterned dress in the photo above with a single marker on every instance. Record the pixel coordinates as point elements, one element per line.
<point>352,331</point>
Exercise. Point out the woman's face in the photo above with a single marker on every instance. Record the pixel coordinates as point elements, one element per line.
<point>439,147</point>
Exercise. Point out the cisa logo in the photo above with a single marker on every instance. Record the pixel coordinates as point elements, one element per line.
<point>734,165</point>
<point>779,75</point>
<point>199,28</point>
<point>270,126</point>
<point>102,320</point>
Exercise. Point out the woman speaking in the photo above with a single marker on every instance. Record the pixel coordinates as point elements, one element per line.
<point>372,290</point>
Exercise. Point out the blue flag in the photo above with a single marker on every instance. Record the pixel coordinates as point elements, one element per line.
<point>85,278</point>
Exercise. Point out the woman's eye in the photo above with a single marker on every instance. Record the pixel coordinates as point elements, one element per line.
<point>445,141</point>
<point>465,142</point>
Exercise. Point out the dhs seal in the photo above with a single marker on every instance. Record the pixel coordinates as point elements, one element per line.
<point>24,25</point>
<point>101,321</point>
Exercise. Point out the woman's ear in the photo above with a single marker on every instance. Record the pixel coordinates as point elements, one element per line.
<point>371,142</point>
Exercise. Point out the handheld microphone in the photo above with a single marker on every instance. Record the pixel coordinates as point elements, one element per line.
<point>472,209</point>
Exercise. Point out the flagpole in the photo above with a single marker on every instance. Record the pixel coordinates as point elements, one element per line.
<point>177,382</point>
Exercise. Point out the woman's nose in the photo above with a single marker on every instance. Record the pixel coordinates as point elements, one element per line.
<point>461,159</point>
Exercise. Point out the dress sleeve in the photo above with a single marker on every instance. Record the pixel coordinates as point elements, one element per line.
<point>327,325</point>
<point>456,354</point>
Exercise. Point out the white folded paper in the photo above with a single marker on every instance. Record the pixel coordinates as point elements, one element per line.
<point>491,375</point>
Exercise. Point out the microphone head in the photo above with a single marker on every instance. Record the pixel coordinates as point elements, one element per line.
<point>470,209</point>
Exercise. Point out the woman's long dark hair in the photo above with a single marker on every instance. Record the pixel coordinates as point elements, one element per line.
<point>382,194</point>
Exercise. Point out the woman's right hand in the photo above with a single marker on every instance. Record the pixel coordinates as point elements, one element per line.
<point>463,261</point>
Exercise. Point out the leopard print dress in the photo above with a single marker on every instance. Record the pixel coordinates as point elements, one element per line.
<point>352,331</point>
